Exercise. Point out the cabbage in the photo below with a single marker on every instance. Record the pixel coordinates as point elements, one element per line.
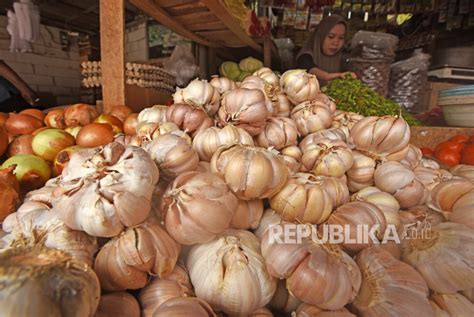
<point>250,64</point>
<point>243,75</point>
<point>230,70</point>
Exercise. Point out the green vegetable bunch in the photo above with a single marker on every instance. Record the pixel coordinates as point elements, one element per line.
<point>353,95</point>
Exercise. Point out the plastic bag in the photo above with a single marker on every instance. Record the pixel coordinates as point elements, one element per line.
<point>374,44</point>
<point>408,80</point>
<point>182,64</point>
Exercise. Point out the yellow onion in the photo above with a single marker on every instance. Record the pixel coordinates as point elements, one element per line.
<point>361,173</point>
<point>327,157</point>
<point>443,255</point>
<point>95,134</point>
<point>278,132</point>
<point>303,199</point>
<point>292,157</point>
<point>197,207</point>
<point>250,172</point>
<point>130,123</point>
<point>396,179</point>
<point>299,86</point>
<point>121,112</point>
<point>306,310</point>
<point>10,192</point>
<point>454,304</point>
<point>156,114</point>
<point>173,155</point>
<point>199,93</point>
<point>352,216</point>
<point>37,281</point>
<point>114,122</point>
<point>310,117</point>
<point>31,171</point>
<point>49,142</point>
<point>282,299</point>
<point>79,114</point>
<point>103,190</point>
<point>230,274</point>
<point>207,141</point>
<point>184,306</point>
<point>268,76</point>
<point>19,123</point>
<point>345,121</point>
<point>431,177</point>
<point>282,106</point>
<point>189,118</point>
<point>248,214</point>
<point>159,290</point>
<point>381,136</point>
<point>55,118</point>
<point>222,84</point>
<point>465,171</point>
<point>19,145</point>
<point>73,130</point>
<point>317,273</point>
<point>386,203</point>
<point>413,157</point>
<point>244,108</point>
<point>389,287</point>
<point>126,261</point>
<point>118,304</point>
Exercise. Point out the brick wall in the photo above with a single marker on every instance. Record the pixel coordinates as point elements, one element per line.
<point>48,69</point>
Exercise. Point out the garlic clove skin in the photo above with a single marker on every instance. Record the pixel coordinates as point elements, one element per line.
<point>361,173</point>
<point>184,306</point>
<point>154,114</point>
<point>299,86</point>
<point>116,304</point>
<point>306,310</point>
<point>311,117</point>
<point>445,194</point>
<point>222,84</point>
<point>282,299</point>
<point>199,93</point>
<point>465,171</point>
<point>247,214</point>
<point>454,304</point>
<point>279,132</point>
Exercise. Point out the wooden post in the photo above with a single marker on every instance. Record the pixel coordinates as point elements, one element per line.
<point>267,51</point>
<point>112,28</point>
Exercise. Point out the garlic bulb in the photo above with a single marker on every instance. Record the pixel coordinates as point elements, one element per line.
<point>207,142</point>
<point>230,274</point>
<point>184,306</point>
<point>310,117</point>
<point>118,304</point>
<point>305,310</point>
<point>327,157</point>
<point>197,207</point>
<point>159,290</point>
<point>262,312</point>
<point>352,216</point>
<point>173,155</point>
<point>156,198</point>
<point>269,218</point>
<point>189,118</point>
<point>244,108</point>
<point>278,132</point>
<point>268,76</point>
<point>247,214</point>
<point>431,177</point>
<point>37,281</point>
<point>469,294</point>
<point>299,86</point>
<point>465,171</point>
<point>445,195</point>
<point>319,274</point>
<point>292,157</point>
<point>394,178</point>
<point>270,91</point>
<point>282,106</point>
<point>282,300</point>
<point>345,121</point>
<point>336,188</point>
<point>154,114</point>
<point>303,199</point>
<point>327,101</point>
<point>463,210</point>
<point>222,84</point>
<point>443,255</point>
<point>250,172</point>
<point>105,189</point>
<point>361,173</point>
<point>125,261</point>
<point>454,304</point>
<point>438,312</point>
<point>413,157</point>
<point>381,136</point>
<point>198,93</point>
<point>386,203</point>
<point>426,162</point>
<point>147,131</point>
<point>421,215</point>
<point>389,287</point>
<point>396,156</point>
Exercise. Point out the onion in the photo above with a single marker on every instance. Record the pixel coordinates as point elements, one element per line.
<point>9,189</point>
<point>116,123</point>
<point>31,171</point>
<point>95,134</point>
<point>21,145</point>
<point>79,114</point>
<point>3,140</point>
<point>48,143</point>
<point>17,124</point>
<point>74,131</point>
<point>55,119</point>
<point>38,114</point>
<point>3,118</point>
<point>130,124</point>
<point>63,157</point>
<point>120,112</point>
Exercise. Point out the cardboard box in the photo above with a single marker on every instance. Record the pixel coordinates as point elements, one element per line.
<point>139,98</point>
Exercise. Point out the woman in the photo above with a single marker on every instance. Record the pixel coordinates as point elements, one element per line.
<point>322,53</point>
<point>15,94</point>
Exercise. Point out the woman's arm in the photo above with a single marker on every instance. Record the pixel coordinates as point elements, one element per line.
<point>9,74</point>
<point>329,76</point>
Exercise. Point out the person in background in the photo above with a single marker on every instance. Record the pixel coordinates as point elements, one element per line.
<point>322,53</point>
<point>15,94</point>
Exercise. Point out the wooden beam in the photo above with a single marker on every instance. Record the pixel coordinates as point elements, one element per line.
<point>220,11</point>
<point>160,15</point>
<point>112,28</point>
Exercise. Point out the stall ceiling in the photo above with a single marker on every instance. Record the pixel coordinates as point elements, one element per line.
<point>74,15</point>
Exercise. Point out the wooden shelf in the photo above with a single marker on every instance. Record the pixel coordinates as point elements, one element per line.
<point>431,136</point>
